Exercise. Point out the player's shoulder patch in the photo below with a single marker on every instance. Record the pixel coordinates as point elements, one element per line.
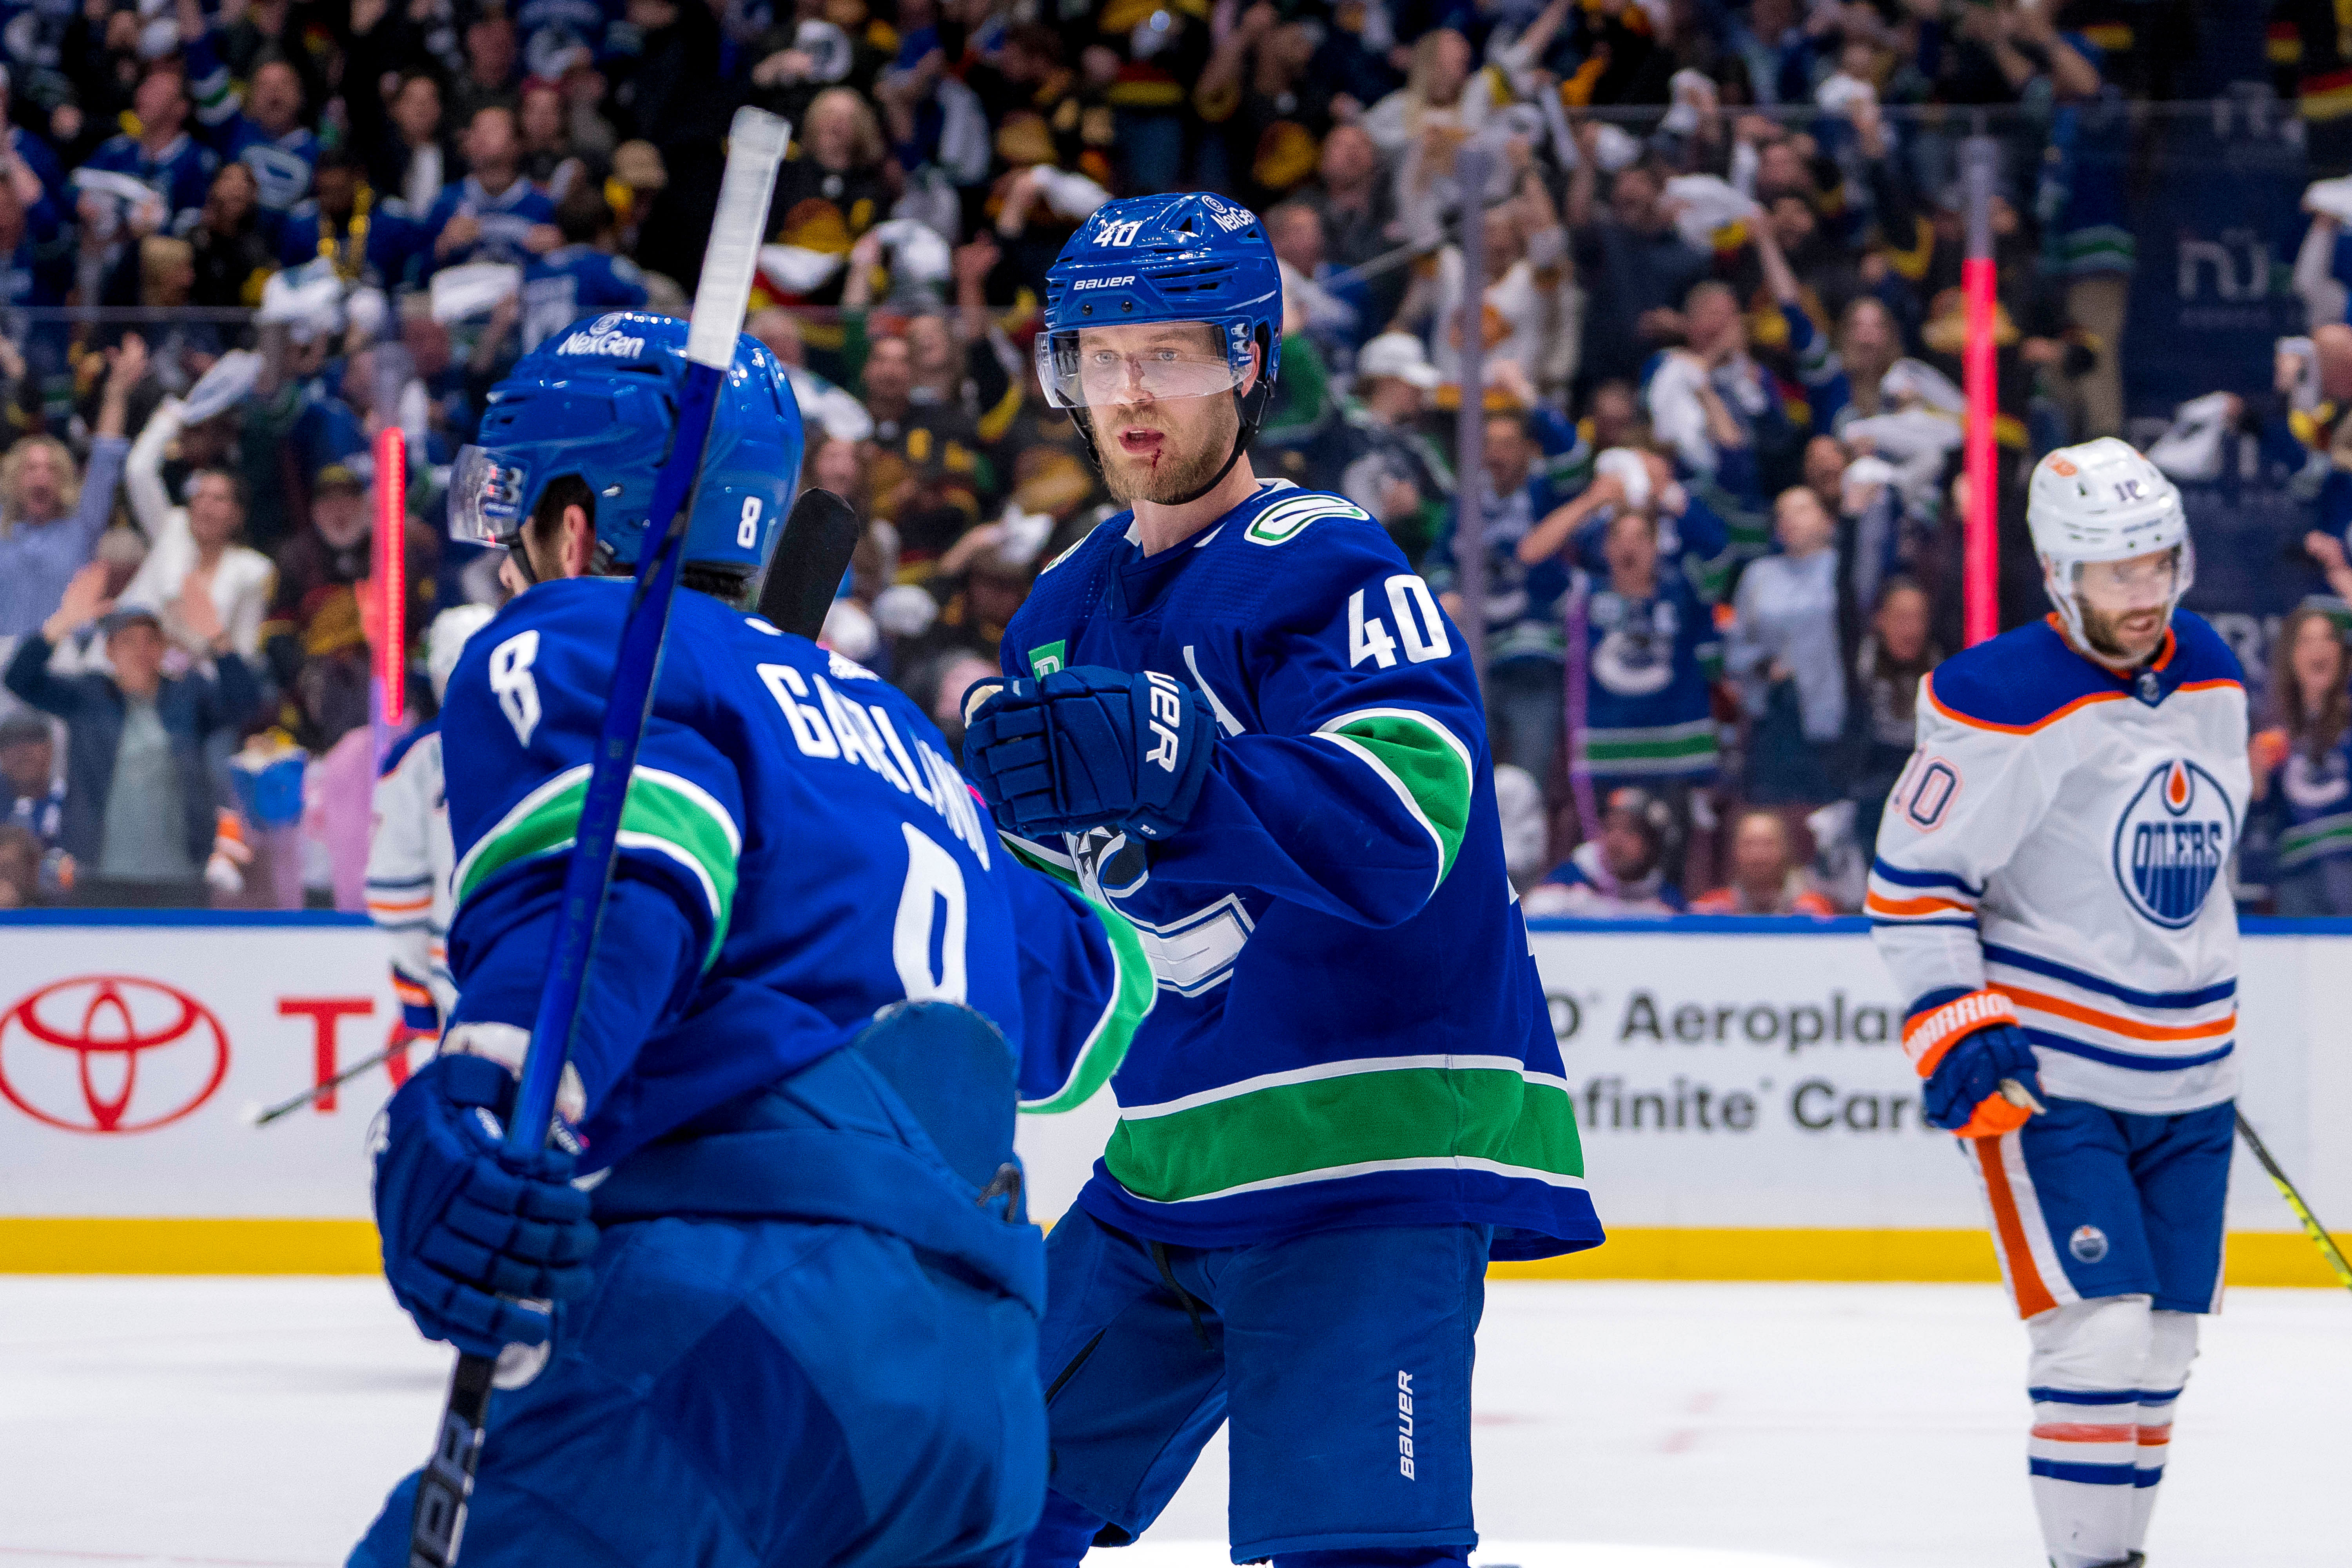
<point>1283,512</point>
<point>2019,682</point>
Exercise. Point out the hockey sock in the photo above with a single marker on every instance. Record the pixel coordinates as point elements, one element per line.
<point>1375,1557</point>
<point>2082,1454</point>
<point>1062,1534</point>
<point>2172,1345</point>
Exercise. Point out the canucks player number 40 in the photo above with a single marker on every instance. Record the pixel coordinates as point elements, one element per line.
<point>1233,717</point>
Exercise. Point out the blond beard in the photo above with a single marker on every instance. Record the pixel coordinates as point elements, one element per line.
<point>1171,479</point>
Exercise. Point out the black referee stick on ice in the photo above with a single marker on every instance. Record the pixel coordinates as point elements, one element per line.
<point>2310,1225</point>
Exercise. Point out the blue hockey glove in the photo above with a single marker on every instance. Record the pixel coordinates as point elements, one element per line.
<point>1965,1043</point>
<point>1089,748</point>
<point>472,1236</point>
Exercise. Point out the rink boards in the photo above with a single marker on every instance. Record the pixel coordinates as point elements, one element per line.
<point>1747,1111</point>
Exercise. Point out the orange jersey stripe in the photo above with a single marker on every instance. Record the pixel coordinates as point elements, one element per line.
<point>400,906</point>
<point>1878,906</point>
<point>2156,1437</point>
<point>2213,1029</point>
<point>1927,688</point>
<point>2083,1432</point>
<point>2009,1229</point>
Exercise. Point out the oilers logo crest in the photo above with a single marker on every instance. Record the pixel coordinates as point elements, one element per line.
<point>2173,841</point>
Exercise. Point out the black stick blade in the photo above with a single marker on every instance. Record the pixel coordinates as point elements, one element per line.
<point>809,561</point>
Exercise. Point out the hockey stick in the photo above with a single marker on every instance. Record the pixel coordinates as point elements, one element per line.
<point>756,147</point>
<point>809,561</point>
<point>256,1116</point>
<point>2310,1225</point>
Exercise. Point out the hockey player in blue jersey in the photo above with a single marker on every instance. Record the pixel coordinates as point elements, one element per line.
<point>1234,716</point>
<point>795,1325</point>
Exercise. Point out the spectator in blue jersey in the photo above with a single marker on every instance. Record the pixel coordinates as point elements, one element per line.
<point>266,131</point>
<point>1524,645</point>
<point>23,146</point>
<point>161,157</point>
<point>366,238</point>
<point>551,32</point>
<point>1644,667</point>
<point>36,252</point>
<point>2302,768</point>
<point>1692,536</point>
<point>50,517</point>
<point>582,276</point>
<point>1621,872</point>
<point>1783,650</point>
<point>493,214</point>
<point>32,796</point>
<point>2087,237</point>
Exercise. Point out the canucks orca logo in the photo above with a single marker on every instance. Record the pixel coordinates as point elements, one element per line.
<point>2173,841</point>
<point>1635,654</point>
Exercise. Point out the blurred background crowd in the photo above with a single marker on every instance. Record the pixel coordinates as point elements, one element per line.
<point>1718,362</point>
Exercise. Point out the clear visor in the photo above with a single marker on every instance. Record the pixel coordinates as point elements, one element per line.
<point>1105,367</point>
<point>2152,581</point>
<point>486,492</point>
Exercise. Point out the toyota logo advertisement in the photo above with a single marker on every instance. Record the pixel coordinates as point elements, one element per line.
<point>131,1057</point>
<point>110,1053</point>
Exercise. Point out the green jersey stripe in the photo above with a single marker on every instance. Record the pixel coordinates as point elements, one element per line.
<point>1630,745</point>
<point>664,815</point>
<point>1371,1167</point>
<point>1322,1070</point>
<point>1325,1127</point>
<point>1422,761</point>
<point>1134,991</point>
<point>2319,837</point>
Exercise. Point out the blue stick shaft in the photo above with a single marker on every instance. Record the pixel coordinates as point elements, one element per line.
<point>636,666</point>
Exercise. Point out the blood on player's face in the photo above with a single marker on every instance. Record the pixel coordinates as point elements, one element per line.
<point>2127,603</point>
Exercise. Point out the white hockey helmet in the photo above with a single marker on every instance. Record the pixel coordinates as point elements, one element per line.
<point>2102,500</point>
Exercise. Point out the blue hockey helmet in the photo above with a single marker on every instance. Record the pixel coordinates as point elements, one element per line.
<point>599,401</point>
<point>1163,259</point>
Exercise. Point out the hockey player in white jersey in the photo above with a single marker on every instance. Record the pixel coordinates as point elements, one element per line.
<point>2049,890</point>
<point>409,854</point>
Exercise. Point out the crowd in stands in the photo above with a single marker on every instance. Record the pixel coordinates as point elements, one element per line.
<point>1719,364</point>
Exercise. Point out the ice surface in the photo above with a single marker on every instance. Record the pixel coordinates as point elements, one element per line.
<point>256,1424</point>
